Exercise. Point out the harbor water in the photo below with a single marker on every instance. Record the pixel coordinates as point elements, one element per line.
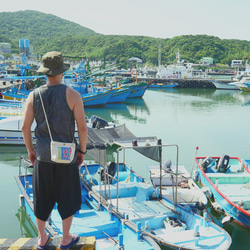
<point>216,121</point>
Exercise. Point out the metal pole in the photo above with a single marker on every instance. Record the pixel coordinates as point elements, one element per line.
<point>117,184</point>
<point>177,156</point>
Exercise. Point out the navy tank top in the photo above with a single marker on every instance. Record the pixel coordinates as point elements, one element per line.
<point>60,117</point>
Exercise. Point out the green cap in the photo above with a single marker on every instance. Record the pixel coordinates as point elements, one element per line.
<point>52,64</point>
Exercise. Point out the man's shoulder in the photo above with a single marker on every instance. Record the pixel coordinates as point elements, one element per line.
<point>72,94</point>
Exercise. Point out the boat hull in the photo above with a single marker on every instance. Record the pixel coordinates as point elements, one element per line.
<point>228,86</point>
<point>96,99</point>
<point>119,96</point>
<point>226,194</point>
<point>162,86</point>
<point>137,90</point>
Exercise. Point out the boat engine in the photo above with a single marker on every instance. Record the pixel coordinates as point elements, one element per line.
<point>98,122</point>
<point>111,170</point>
<point>167,166</point>
<point>222,164</point>
<point>206,162</point>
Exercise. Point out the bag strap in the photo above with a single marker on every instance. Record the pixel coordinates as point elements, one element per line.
<point>45,115</point>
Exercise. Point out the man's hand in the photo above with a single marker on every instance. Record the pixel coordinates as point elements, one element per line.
<point>32,156</point>
<point>80,158</point>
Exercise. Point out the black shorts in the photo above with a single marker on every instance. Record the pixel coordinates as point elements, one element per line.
<point>56,183</point>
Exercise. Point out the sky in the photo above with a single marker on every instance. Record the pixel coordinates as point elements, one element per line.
<point>226,19</point>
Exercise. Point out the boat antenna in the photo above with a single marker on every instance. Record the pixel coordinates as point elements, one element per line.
<point>191,172</point>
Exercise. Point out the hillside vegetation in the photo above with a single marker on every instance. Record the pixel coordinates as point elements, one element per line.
<point>48,32</point>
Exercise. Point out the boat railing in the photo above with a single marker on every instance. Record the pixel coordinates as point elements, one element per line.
<point>145,144</point>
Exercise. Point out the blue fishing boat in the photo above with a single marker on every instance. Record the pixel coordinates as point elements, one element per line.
<point>130,196</point>
<point>162,85</point>
<point>119,95</point>
<point>91,220</point>
<point>228,179</point>
<point>96,99</point>
<point>91,95</point>
<point>137,89</point>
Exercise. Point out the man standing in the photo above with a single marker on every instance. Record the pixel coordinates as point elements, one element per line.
<point>55,182</point>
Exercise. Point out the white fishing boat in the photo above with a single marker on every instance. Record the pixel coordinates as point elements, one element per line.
<point>188,193</point>
<point>11,129</point>
<point>236,85</point>
<point>226,86</point>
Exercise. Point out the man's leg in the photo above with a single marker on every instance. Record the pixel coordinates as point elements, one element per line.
<point>42,235</point>
<point>67,237</point>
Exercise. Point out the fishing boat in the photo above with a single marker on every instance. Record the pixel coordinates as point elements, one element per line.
<point>96,98</point>
<point>227,86</point>
<point>91,95</point>
<point>11,128</point>
<point>162,85</point>
<point>137,201</point>
<point>119,95</point>
<point>228,179</point>
<point>24,86</point>
<point>245,87</point>
<point>110,231</point>
<point>188,192</point>
<point>137,89</point>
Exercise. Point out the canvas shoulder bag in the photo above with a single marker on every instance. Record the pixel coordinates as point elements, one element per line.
<point>61,152</point>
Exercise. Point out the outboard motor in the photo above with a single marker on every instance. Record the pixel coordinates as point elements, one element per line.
<point>167,166</point>
<point>111,169</point>
<point>92,118</point>
<point>206,162</point>
<point>98,122</point>
<point>222,165</point>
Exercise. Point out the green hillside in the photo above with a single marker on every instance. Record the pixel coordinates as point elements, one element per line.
<point>48,32</point>
<point>38,27</point>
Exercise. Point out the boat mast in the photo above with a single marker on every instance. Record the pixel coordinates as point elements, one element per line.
<point>159,56</point>
<point>178,57</point>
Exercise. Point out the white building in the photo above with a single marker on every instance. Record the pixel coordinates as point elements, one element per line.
<point>5,48</point>
<point>236,63</point>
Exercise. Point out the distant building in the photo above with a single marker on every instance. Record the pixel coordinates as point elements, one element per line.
<point>207,61</point>
<point>236,63</point>
<point>5,48</point>
<point>24,46</point>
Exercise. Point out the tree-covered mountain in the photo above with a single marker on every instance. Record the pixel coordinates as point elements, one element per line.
<point>48,32</point>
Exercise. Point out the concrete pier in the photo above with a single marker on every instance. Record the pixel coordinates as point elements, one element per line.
<point>54,244</point>
<point>183,83</point>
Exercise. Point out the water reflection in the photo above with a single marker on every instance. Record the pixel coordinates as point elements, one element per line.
<point>244,98</point>
<point>27,227</point>
<point>132,109</point>
<point>10,153</point>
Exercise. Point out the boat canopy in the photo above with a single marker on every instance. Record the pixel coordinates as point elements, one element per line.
<point>99,139</point>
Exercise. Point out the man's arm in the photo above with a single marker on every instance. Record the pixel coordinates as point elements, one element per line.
<point>76,105</point>
<point>26,127</point>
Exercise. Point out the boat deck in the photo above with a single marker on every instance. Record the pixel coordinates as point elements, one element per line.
<point>184,195</point>
<point>237,193</point>
<point>229,178</point>
<point>88,222</point>
<point>234,185</point>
